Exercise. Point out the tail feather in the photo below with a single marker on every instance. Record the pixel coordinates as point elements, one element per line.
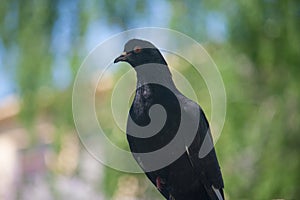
<point>219,193</point>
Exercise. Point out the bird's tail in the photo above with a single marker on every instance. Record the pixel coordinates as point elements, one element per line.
<point>219,193</point>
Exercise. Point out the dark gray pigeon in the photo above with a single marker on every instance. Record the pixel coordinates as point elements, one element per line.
<point>164,122</point>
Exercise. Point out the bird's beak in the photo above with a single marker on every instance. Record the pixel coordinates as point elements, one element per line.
<point>122,57</point>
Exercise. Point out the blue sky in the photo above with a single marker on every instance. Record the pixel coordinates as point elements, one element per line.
<point>97,32</point>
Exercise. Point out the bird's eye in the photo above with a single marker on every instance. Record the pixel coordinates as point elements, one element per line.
<point>137,49</point>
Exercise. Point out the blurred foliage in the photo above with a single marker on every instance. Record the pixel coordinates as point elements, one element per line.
<point>258,59</point>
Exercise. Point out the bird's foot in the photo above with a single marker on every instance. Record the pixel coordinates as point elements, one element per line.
<point>159,183</point>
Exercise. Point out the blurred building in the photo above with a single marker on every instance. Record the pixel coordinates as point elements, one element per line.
<point>36,171</point>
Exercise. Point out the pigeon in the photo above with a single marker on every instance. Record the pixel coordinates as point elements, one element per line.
<point>155,119</point>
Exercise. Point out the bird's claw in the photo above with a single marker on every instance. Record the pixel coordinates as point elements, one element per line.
<point>159,183</point>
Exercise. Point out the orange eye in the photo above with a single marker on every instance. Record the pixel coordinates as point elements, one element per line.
<point>137,49</point>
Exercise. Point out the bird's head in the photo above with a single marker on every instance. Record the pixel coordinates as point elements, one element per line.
<point>139,52</point>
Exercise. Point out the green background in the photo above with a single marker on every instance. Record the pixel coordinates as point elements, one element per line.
<point>255,44</point>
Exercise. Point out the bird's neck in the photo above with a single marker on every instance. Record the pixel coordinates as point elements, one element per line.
<point>155,74</point>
